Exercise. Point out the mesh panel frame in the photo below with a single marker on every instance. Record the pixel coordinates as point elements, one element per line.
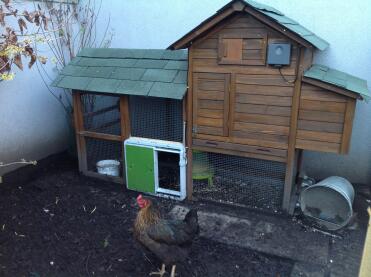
<point>101,113</point>
<point>156,118</point>
<point>241,181</point>
<point>98,149</point>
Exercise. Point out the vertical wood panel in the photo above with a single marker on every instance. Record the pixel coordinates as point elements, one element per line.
<point>227,84</point>
<point>79,127</point>
<point>189,123</point>
<point>290,166</point>
<point>124,117</point>
<point>348,126</point>
<point>232,101</point>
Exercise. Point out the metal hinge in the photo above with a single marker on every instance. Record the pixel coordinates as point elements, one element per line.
<point>194,129</point>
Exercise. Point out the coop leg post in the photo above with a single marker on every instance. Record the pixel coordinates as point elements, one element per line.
<point>125,129</point>
<point>291,151</point>
<point>189,174</point>
<point>289,184</point>
<point>189,123</point>
<point>79,127</point>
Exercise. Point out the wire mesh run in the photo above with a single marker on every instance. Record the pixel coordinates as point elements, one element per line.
<point>101,113</point>
<point>98,150</point>
<point>238,180</point>
<point>156,118</point>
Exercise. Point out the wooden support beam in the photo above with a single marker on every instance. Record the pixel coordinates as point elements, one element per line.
<point>189,124</point>
<point>125,129</point>
<point>290,165</point>
<point>100,136</point>
<point>101,111</point>
<point>79,127</point>
<point>348,126</point>
<point>201,29</point>
<point>276,26</point>
<point>125,117</point>
<point>104,177</point>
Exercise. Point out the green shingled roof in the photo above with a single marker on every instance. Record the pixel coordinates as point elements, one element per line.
<point>147,72</point>
<point>290,24</point>
<point>339,79</point>
<point>271,13</point>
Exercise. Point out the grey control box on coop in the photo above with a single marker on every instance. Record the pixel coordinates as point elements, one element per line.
<point>279,54</point>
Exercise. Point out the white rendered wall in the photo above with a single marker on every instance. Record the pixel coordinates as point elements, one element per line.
<point>33,124</point>
<point>346,25</point>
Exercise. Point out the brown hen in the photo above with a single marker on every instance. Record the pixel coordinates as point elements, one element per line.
<point>169,240</point>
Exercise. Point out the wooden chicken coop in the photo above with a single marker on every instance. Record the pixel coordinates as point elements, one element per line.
<point>225,119</point>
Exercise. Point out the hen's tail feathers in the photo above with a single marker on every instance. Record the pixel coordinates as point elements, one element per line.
<point>191,219</point>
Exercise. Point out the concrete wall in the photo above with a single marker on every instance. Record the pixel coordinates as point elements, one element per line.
<point>33,124</point>
<point>346,25</point>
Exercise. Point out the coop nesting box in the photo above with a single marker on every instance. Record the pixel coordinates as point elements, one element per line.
<point>254,101</point>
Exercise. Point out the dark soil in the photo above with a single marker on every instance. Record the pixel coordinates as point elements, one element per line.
<point>60,223</point>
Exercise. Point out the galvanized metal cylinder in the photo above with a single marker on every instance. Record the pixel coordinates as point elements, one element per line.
<point>329,202</point>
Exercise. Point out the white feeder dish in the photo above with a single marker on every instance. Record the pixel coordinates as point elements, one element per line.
<point>108,167</point>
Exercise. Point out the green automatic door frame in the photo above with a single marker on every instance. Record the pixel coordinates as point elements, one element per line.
<point>140,173</point>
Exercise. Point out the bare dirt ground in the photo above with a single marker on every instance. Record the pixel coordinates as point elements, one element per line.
<point>55,222</point>
<point>63,224</point>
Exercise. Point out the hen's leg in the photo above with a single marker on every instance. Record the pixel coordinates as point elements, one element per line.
<point>161,272</point>
<point>173,271</point>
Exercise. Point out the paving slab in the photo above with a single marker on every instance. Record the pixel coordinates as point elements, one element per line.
<point>272,235</point>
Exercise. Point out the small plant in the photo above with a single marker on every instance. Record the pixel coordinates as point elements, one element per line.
<point>22,161</point>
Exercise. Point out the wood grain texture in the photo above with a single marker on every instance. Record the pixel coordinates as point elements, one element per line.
<point>227,86</point>
<point>318,146</point>
<point>328,127</point>
<point>263,119</point>
<point>211,103</point>
<point>263,109</point>
<point>319,136</point>
<point>348,126</point>
<point>244,98</point>
<point>79,126</point>
<point>250,138</point>
<point>187,39</point>
<point>189,124</point>
<point>100,136</point>
<point>261,128</point>
<point>241,147</point>
<point>330,87</point>
<point>124,117</point>
<point>265,90</point>
<point>321,116</point>
<point>322,106</point>
<point>264,80</point>
<point>324,117</point>
<point>239,153</point>
<point>291,152</point>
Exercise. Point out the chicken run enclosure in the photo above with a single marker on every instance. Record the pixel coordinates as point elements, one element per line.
<point>223,114</point>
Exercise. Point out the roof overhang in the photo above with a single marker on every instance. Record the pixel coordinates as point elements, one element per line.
<point>142,72</point>
<point>336,81</point>
<point>266,14</point>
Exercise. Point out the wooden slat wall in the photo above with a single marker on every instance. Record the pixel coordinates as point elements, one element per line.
<point>321,124</point>
<point>211,103</point>
<point>260,99</point>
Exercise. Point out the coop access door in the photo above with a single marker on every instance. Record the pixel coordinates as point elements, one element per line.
<point>156,166</point>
